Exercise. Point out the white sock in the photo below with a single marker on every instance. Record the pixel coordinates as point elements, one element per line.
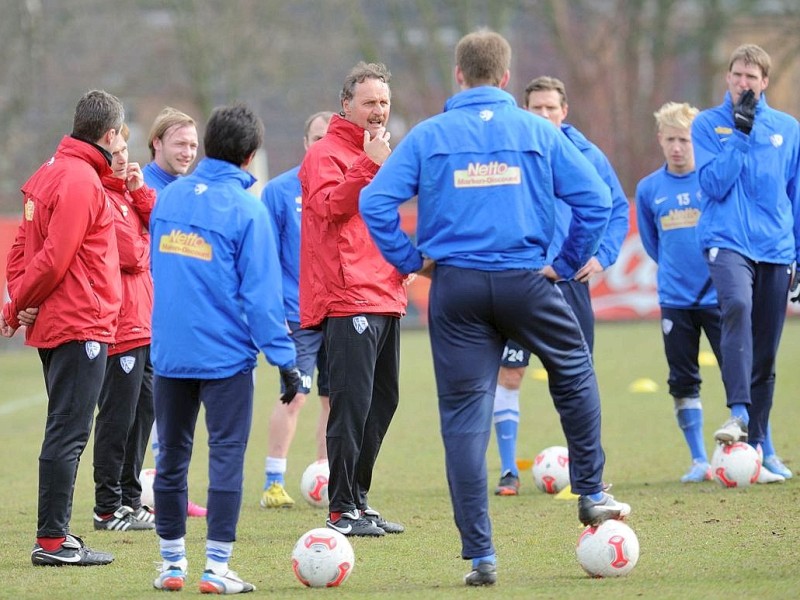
<point>217,556</point>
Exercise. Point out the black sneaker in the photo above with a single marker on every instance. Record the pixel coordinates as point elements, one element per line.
<point>73,552</point>
<point>484,574</point>
<point>145,513</point>
<point>389,527</point>
<point>352,524</point>
<point>508,486</point>
<point>123,519</point>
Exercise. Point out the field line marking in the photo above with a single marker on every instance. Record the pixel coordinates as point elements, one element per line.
<point>9,408</point>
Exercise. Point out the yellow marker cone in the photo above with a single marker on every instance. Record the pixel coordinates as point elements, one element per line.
<point>643,385</point>
<point>539,374</point>
<point>706,359</point>
<point>566,494</point>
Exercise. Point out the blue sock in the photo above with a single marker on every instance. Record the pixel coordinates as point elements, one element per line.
<point>491,558</point>
<point>690,421</point>
<point>273,478</point>
<point>506,433</point>
<point>740,411</point>
<point>767,446</point>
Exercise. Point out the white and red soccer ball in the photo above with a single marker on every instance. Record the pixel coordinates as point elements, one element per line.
<point>146,478</point>
<point>610,549</point>
<point>551,469</point>
<point>322,558</point>
<point>735,465</point>
<point>314,484</point>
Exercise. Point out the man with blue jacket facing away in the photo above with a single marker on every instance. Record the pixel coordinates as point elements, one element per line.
<point>748,162</point>
<point>217,302</point>
<point>488,176</point>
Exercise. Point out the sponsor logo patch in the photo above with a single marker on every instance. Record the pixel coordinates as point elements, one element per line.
<point>485,175</point>
<point>185,244</point>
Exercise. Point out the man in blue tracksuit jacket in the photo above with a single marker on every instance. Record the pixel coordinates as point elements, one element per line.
<point>488,176</point>
<point>217,302</point>
<point>547,97</point>
<point>748,162</point>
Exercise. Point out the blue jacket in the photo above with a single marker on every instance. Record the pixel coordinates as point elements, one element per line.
<point>618,224</point>
<point>155,177</point>
<point>283,199</point>
<point>487,175</point>
<point>216,277</point>
<point>668,209</point>
<point>751,192</point>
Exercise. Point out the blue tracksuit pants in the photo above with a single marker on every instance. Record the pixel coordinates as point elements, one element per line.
<point>471,314</point>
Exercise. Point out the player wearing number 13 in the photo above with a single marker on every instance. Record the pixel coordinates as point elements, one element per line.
<point>748,162</point>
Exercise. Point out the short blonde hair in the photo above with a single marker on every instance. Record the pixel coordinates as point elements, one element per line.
<point>167,118</point>
<point>750,54</point>
<point>675,114</point>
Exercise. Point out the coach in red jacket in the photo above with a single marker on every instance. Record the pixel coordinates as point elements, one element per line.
<point>349,291</point>
<point>63,271</point>
<point>125,408</point>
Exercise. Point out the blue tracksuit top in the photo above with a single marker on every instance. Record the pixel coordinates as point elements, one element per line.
<point>668,207</point>
<point>283,200</point>
<point>751,192</point>
<point>216,277</point>
<point>618,224</point>
<point>155,177</point>
<point>487,175</point>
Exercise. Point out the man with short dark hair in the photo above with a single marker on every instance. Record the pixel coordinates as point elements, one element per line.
<point>487,176</point>
<point>217,302</point>
<point>64,283</point>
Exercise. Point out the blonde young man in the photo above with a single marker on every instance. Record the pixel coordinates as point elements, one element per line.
<point>173,147</point>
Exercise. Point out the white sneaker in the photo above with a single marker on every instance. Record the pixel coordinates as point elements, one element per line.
<point>764,474</point>
<point>227,583</point>
<point>734,430</point>
<point>171,577</point>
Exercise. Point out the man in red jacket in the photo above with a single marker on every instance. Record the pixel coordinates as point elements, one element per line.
<point>64,284</point>
<point>125,408</point>
<point>349,291</point>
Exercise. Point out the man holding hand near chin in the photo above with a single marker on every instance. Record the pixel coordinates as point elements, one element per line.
<point>349,291</point>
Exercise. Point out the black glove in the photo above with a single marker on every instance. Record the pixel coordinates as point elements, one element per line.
<point>794,285</point>
<point>744,113</point>
<point>291,380</point>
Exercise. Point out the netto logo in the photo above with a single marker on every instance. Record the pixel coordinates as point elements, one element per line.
<point>485,175</point>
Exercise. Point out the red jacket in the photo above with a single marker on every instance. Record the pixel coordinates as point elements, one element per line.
<point>342,272</point>
<point>131,222</point>
<point>64,259</point>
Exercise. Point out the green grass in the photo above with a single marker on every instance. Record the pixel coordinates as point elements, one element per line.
<point>697,541</point>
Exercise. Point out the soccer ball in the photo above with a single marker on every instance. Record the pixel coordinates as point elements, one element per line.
<point>551,469</point>
<point>322,557</point>
<point>146,478</point>
<point>314,484</point>
<point>610,549</point>
<point>735,465</point>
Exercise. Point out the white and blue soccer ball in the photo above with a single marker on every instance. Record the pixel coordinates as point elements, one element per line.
<point>610,549</point>
<point>322,558</point>
<point>551,469</point>
<point>735,465</point>
<point>314,484</point>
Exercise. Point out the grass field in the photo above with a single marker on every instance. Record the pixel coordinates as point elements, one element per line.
<point>697,541</point>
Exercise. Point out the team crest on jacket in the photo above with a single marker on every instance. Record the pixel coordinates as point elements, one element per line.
<point>486,115</point>
<point>360,323</point>
<point>776,139</point>
<point>127,363</point>
<point>200,188</point>
<point>92,349</point>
